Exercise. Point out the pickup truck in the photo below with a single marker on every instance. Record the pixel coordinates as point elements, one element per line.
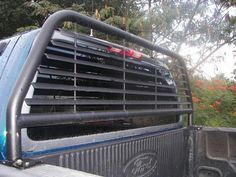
<point>76,105</point>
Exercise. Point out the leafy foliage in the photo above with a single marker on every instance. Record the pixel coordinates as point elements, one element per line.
<point>195,24</point>
<point>214,102</point>
<point>12,16</point>
<point>231,19</point>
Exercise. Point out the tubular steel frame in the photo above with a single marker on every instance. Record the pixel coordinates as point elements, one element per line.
<point>16,121</point>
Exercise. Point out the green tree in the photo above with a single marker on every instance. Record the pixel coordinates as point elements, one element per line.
<point>12,16</point>
<point>180,25</point>
<point>230,5</point>
<point>117,13</point>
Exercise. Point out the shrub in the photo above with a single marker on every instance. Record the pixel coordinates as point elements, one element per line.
<point>214,102</point>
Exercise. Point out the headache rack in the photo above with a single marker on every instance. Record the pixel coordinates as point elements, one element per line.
<point>77,82</point>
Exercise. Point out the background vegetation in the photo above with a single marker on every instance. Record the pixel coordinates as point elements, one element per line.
<point>214,101</point>
<point>205,25</point>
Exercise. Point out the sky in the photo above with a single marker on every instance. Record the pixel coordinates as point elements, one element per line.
<point>225,66</point>
<point>210,69</point>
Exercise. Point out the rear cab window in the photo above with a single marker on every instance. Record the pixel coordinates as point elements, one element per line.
<point>3,45</point>
<point>91,79</point>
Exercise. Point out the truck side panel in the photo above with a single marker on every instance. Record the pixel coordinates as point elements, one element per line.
<point>214,152</point>
<point>9,77</point>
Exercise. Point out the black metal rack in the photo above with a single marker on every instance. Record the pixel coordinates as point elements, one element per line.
<point>16,121</point>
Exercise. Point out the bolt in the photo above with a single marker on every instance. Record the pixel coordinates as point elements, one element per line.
<point>27,164</point>
<point>19,162</point>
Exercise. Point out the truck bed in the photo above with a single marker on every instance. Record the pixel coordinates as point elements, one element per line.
<point>155,154</point>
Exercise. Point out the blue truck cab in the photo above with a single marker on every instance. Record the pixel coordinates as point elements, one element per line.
<point>76,105</point>
<point>14,52</point>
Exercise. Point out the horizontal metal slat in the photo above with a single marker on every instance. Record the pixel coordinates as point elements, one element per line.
<point>165,86</point>
<point>33,102</point>
<point>142,73</point>
<point>70,74</point>
<point>72,88</point>
<point>65,59</point>
<point>81,75</point>
<point>37,102</point>
<point>139,83</point>
<point>100,89</point>
<point>87,89</point>
<point>56,72</point>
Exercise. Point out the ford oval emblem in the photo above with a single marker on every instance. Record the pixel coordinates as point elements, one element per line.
<point>143,165</point>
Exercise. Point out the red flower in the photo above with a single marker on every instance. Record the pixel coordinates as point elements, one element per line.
<point>217,102</point>
<point>222,88</point>
<point>195,99</point>
<point>202,106</point>
<point>210,88</point>
<point>232,88</point>
<point>217,81</point>
<point>198,83</point>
